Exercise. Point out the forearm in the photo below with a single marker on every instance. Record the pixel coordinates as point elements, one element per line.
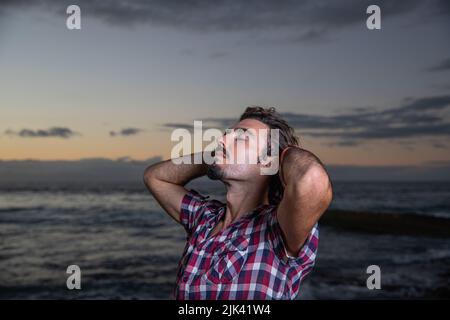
<point>307,194</point>
<point>296,164</point>
<point>179,174</point>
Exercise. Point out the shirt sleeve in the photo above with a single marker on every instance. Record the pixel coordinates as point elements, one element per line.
<point>192,208</point>
<point>307,254</point>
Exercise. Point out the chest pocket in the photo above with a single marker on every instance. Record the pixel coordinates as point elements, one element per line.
<point>228,260</point>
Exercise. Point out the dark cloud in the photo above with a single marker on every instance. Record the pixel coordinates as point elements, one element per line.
<point>443,7</point>
<point>300,20</point>
<point>126,132</point>
<point>442,66</point>
<point>177,125</point>
<point>415,118</point>
<point>189,127</point>
<point>84,170</point>
<point>441,87</point>
<point>344,143</point>
<point>218,54</point>
<point>58,132</point>
<point>439,145</point>
<point>437,163</point>
<point>100,170</point>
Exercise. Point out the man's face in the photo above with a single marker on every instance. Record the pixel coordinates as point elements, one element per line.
<point>240,150</point>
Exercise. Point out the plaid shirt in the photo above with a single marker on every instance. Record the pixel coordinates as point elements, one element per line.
<point>247,260</point>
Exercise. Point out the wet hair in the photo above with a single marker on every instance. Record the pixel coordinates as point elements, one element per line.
<point>287,137</point>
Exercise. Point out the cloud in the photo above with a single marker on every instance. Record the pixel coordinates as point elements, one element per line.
<point>439,145</point>
<point>442,66</point>
<point>304,20</point>
<point>344,143</point>
<point>187,126</point>
<point>126,132</point>
<point>218,54</point>
<point>94,171</point>
<point>178,125</point>
<point>415,118</point>
<point>53,132</point>
<point>437,163</point>
<point>443,7</point>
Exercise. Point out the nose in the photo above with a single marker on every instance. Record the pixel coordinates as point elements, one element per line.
<point>221,140</point>
<point>221,147</point>
<point>221,144</point>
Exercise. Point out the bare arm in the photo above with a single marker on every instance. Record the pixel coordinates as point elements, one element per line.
<point>165,181</point>
<point>307,194</point>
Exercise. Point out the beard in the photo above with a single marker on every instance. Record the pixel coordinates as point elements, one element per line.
<point>214,172</point>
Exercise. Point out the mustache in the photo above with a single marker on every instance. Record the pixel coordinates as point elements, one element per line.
<point>221,148</point>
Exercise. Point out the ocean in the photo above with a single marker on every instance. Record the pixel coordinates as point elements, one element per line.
<point>128,248</point>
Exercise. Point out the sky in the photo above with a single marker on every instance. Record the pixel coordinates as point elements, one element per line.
<point>139,69</point>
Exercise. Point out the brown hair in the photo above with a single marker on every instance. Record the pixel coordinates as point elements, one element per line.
<point>287,137</point>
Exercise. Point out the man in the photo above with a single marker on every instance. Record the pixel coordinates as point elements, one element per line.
<point>262,242</point>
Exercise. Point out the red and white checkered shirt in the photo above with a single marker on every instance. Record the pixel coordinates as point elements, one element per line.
<point>247,260</point>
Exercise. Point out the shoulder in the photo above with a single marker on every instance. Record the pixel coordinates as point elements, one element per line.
<point>196,208</point>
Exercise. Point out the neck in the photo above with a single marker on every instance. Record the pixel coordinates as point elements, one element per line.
<point>243,197</point>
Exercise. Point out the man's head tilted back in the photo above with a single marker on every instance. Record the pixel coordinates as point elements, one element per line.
<point>246,138</point>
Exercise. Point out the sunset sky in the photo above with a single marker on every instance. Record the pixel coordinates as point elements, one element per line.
<point>137,70</point>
